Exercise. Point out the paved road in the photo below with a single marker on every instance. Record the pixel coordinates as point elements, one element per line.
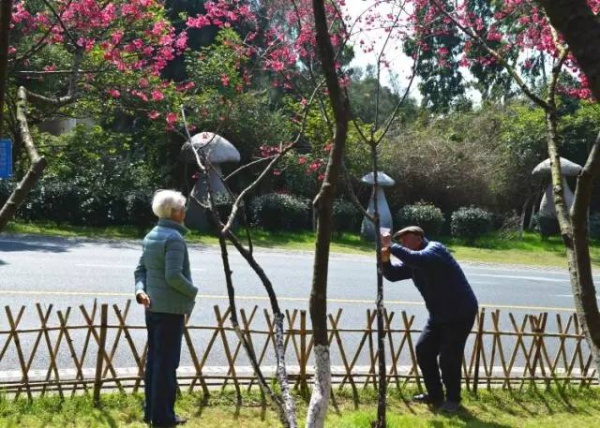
<point>70,272</point>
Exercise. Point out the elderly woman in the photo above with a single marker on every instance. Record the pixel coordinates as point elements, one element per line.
<point>163,284</point>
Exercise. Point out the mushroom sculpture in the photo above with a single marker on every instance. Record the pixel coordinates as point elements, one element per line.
<point>385,216</point>
<point>567,169</point>
<point>214,150</point>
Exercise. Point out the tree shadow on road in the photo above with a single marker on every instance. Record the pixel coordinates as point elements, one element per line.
<point>13,246</point>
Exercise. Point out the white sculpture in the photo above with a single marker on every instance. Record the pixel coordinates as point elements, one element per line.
<point>385,216</point>
<point>567,168</point>
<point>214,150</point>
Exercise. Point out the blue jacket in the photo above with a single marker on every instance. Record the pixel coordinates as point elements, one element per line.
<point>163,271</point>
<point>438,277</point>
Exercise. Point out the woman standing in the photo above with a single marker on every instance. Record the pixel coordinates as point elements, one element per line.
<point>163,284</point>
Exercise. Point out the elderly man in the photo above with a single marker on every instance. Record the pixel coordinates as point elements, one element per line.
<point>452,308</point>
<point>163,284</point>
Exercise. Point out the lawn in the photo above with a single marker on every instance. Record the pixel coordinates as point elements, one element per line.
<point>573,407</point>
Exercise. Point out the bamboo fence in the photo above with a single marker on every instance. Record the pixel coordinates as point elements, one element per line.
<point>99,351</point>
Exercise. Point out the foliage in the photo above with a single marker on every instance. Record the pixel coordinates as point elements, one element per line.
<point>278,211</point>
<point>426,215</point>
<point>449,161</point>
<point>546,225</point>
<point>371,101</point>
<point>438,48</point>
<point>346,217</point>
<point>97,179</point>
<point>595,226</point>
<point>114,54</point>
<point>470,223</point>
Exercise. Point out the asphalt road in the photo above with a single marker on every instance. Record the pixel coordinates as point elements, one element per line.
<point>70,272</point>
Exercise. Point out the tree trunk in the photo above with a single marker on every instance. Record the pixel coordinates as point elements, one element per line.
<point>581,30</point>
<point>323,204</point>
<point>382,386</point>
<point>38,164</point>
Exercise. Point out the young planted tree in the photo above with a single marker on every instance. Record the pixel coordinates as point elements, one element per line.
<point>524,25</point>
<point>286,52</point>
<point>316,79</point>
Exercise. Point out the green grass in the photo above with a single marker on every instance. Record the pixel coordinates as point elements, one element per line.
<point>529,249</point>
<point>495,409</point>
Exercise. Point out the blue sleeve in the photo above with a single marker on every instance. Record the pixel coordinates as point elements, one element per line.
<point>396,271</point>
<point>424,258</point>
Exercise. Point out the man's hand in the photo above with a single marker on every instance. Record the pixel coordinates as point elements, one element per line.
<point>386,238</point>
<point>385,254</point>
<point>143,299</point>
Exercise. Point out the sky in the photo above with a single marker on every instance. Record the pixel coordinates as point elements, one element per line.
<point>399,64</point>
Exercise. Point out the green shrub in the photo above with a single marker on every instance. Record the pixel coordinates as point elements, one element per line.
<point>139,209</point>
<point>470,223</point>
<point>277,211</point>
<point>595,226</point>
<point>6,188</point>
<point>546,225</point>
<point>95,179</point>
<point>346,217</point>
<point>423,214</point>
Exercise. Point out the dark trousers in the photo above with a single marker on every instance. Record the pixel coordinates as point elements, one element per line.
<point>446,341</point>
<point>165,333</point>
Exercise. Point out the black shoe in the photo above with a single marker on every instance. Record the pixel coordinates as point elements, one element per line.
<point>427,399</point>
<point>177,421</point>
<point>450,407</point>
<point>180,421</point>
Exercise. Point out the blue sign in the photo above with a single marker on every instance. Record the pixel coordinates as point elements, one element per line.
<point>5,158</point>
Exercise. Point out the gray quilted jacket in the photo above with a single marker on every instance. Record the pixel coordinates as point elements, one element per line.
<point>163,271</point>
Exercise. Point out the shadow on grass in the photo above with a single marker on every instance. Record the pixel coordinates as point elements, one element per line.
<point>470,419</point>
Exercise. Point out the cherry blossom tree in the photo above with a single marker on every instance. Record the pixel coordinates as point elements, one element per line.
<point>63,52</point>
<point>577,21</point>
<point>285,50</point>
<point>491,36</point>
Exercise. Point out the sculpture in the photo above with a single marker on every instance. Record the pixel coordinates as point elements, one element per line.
<point>567,168</point>
<point>368,231</point>
<point>214,150</point>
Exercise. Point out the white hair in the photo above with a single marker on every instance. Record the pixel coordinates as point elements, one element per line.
<point>166,202</point>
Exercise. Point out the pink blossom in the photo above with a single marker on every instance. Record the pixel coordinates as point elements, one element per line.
<point>157,95</point>
<point>171,118</point>
<point>153,114</point>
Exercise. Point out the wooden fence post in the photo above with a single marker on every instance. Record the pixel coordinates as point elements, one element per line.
<point>101,353</point>
<point>478,349</point>
<point>303,357</point>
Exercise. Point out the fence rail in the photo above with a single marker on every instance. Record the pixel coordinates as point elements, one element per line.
<point>95,349</point>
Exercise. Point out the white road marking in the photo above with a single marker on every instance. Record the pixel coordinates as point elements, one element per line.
<point>532,278</point>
